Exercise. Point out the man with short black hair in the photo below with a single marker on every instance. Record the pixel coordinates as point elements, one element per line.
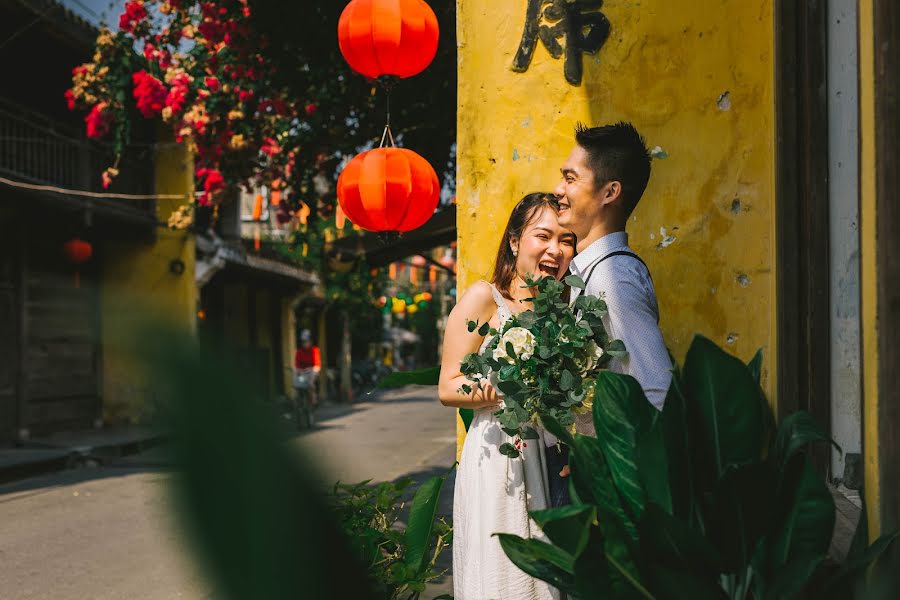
<point>603,180</point>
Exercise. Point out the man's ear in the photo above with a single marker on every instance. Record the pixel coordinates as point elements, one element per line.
<point>611,192</point>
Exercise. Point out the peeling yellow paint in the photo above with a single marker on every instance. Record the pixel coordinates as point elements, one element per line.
<point>665,68</point>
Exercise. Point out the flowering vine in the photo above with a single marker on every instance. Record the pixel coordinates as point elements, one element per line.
<point>201,69</point>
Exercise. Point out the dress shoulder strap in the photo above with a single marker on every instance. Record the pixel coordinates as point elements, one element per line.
<point>503,310</point>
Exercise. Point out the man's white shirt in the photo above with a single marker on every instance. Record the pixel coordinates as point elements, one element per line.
<point>624,282</point>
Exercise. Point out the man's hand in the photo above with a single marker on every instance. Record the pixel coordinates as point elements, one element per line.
<point>566,471</point>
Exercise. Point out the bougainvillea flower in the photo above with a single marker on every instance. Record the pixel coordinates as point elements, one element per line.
<point>212,83</point>
<point>213,183</point>
<point>149,92</point>
<point>270,147</point>
<point>133,15</point>
<point>178,93</point>
<point>98,121</point>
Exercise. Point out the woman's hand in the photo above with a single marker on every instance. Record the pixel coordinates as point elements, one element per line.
<point>485,396</point>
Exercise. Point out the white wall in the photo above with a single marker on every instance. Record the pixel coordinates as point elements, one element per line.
<point>843,186</point>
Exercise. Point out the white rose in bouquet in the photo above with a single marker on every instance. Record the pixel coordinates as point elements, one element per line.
<point>522,341</point>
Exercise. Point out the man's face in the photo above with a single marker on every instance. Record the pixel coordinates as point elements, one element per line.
<point>578,202</point>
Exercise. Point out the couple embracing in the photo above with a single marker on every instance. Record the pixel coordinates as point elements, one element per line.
<point>579,230</point>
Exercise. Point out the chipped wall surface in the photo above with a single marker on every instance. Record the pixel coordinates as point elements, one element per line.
<point>696,78</point>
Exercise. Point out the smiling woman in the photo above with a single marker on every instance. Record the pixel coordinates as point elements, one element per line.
<point>495,491</point>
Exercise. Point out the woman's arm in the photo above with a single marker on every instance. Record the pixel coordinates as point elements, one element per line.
<point>477,303</point>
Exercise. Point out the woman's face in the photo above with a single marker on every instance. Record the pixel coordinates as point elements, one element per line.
<point>545,249</point>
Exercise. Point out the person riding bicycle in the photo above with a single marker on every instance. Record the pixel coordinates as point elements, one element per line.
<point>308,362</point>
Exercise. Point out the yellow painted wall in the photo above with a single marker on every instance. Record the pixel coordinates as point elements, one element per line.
<point>137,286</point>
<point>288,342</point>
<point>868,273</point>
<point>663,68</point>
<point>705,225</point>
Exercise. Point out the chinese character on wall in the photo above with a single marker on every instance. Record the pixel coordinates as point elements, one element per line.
<point>580,22</point>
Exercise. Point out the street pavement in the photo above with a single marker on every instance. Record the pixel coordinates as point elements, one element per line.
<point>107,532</point>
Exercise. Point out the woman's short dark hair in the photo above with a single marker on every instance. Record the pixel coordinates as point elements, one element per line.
<point>522,215</point>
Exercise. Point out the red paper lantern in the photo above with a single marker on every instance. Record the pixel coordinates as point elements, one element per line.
<point>78,252</point>
<point>388,190</point>
<point>388,37</point>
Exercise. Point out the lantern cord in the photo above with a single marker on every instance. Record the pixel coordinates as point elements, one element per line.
<point>388,136</point>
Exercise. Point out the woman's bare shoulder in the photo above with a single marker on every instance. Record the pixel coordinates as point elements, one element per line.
<point>479,297</point>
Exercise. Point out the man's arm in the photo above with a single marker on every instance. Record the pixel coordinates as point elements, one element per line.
<point>634,320</point>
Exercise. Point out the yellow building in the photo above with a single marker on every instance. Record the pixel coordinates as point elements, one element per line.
<point>767,212</point>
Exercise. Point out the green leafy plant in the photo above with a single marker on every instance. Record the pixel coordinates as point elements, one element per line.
<point>544,359</point>
<point>704,500</point>
<point>400,561</point>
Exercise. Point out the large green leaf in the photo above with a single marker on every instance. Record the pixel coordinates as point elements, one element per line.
<point>672,584</point>
<point>621,413</point>
<point>653,464</point>
<point>421,523</point>
<point>592,579</point>
<point>729,404</point>
<point>755,365</point>
<point>429,376</point>
<point>567,526</point>
<point>807,528</point>
<point>790,581</point>
<point>593,483</point>
<point>254,516</point>
<point>794,433</point>
<point>739,512</point>
<point>669,541</point>
<point>541,560</point>
<point>677,437</point>
<point>466,414</point>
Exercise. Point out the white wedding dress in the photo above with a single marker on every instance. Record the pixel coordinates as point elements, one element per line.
<point>493,494</point>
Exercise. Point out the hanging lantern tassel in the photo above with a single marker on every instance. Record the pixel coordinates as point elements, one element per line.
<point>256,241</point>
<point>340,219</point>
<point>392,271</point>
<point>78,252</point>
<point>432,275</point>
<point>413,275</point>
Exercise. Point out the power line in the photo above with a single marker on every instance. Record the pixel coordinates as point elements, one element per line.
<point>59,190</point>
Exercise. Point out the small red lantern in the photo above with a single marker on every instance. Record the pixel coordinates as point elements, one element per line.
<point>78,252</point>
<point>388,37</point>
<point>388,190</point>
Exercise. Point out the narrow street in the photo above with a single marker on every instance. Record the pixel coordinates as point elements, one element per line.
<point>107,532</point>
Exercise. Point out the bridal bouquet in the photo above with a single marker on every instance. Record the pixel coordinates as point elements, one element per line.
<point>543,360</point>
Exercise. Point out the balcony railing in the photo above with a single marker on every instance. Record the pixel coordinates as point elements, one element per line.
<point>38,150</point>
